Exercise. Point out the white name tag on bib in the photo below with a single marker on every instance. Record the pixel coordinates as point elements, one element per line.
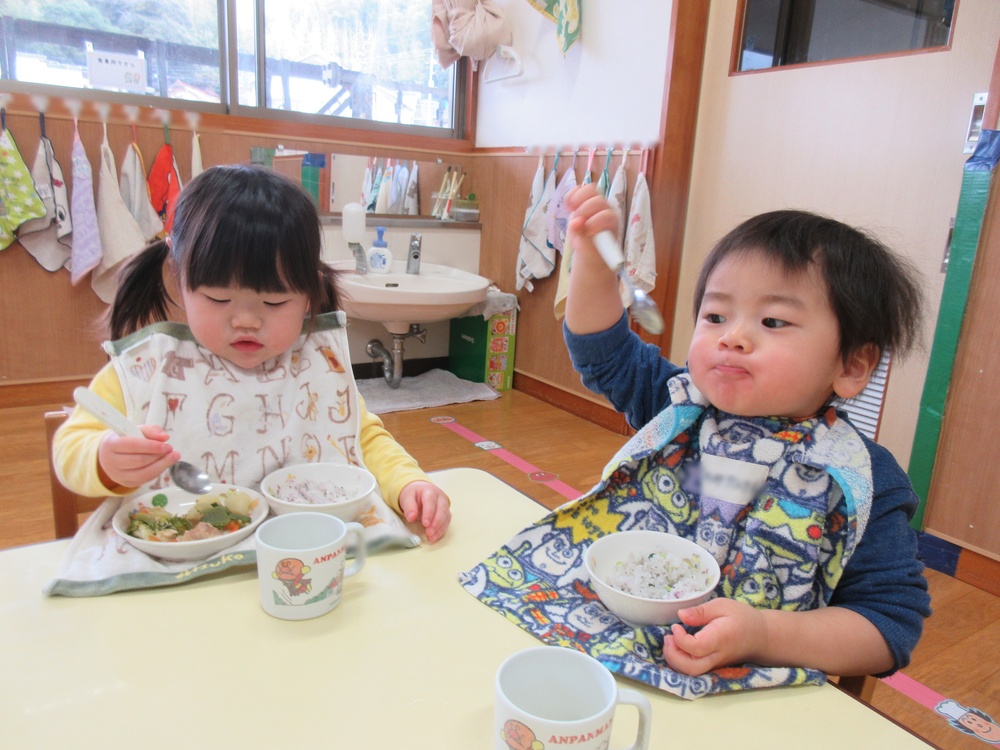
<point>731,481</point>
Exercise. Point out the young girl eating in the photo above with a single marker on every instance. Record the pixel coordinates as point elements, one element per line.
<point>259,376</point>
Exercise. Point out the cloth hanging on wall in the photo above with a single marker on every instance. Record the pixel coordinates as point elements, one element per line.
<point>135,193</point>
<point>164,184</point>
<point>566,14</point>
<point>196,164</point>
<point>616,195</point>
<point>466,28</point>
<point>18,200</point>
<point>535,259</point>
<point>46,239</point>
<point>384,197</point>
<point>411,202</point>
<point>566,263</point>
<point>87,250</point>
<point>558,214</point>
<point>121,235</point>
<point>640,249</point>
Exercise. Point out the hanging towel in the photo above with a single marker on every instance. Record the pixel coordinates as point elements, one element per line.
<point>43,238</point>
<point>558,214</point>
<point>164,184</point>
<point>366,184</point>
<point>87,249</point>
<point>604,181</point>
<point>466,28</point>
<point>400,181</point>
<point>535,259</point>
<point>196,165</point>
<point>411,201</point>
<point>135,193</point>
<point>640,250</point>
<point>562,286</point>
<point>18,200</point>
<point>566,264</point>
<point>616,195</point>
<point>383,199</point>
<point>121,235</point>
<point>373,193</point>
<point>566,14</point>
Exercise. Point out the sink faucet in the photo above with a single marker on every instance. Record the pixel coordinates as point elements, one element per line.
<point>413,255</point>
<point>360,257</point>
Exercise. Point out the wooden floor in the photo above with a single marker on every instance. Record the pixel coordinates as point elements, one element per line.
<point>958,657</point>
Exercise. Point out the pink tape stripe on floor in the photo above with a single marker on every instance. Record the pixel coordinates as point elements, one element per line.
<point>914,690</point>
<point>517,462</point>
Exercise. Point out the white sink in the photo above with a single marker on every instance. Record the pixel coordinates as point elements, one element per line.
<point>397,299</point>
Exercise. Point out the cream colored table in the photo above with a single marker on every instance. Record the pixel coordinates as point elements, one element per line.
<point>406,661</point>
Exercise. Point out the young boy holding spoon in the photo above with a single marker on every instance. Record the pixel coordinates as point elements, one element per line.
<point>743,451</point>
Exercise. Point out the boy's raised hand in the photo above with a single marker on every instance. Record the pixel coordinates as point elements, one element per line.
<point>426,503</point>
<point>593,302</point>
<point>124,461</point>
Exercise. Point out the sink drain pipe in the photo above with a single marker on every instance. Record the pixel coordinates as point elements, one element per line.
<point>392,362</point>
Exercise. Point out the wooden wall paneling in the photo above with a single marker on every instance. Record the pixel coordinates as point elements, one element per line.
<point>52,330</point>
<point>539,353</point>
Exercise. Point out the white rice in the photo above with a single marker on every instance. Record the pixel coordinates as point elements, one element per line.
<point>659,575</point>
<point>310,492</point>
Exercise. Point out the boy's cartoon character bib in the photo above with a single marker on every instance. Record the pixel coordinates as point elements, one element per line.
<point>239,425</point>
<point>780,505</point>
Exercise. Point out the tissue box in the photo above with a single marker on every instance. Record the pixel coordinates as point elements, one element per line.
<point>482,350</point>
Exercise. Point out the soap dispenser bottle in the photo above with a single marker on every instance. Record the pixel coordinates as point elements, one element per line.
<point>379,257</point>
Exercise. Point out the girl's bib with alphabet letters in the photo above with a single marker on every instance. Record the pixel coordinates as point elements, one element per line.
<point>240,425</point>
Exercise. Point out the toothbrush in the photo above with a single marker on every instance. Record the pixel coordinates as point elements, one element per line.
<point>436,213</point>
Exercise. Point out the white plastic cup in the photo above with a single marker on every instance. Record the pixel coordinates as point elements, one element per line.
<point>552,696</point>
<point>301,563</point>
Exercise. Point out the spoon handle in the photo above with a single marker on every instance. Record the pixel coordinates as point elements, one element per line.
<point>105,412</point>
<point>607,246</point>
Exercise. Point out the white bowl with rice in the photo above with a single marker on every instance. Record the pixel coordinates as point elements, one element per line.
<point>335,489</point>
<point>645,577</point>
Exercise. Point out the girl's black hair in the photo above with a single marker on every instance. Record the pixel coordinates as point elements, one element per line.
<point>875,294</point>
<point>240,225</point>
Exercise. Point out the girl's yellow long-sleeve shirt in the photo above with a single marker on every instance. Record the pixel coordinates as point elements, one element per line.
<point>75,446</point>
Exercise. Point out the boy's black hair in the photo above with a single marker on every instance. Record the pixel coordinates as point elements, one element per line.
<point>875,294</point>
<point>243,225</point>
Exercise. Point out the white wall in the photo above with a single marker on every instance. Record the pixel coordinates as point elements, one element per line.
<point>874,143</point>
<point>608,89</point>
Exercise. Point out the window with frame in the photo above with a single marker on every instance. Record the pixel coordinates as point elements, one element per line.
<point>355,63</point>
<point>775,33</point>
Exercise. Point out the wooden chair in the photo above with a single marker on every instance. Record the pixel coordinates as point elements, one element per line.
<point>66,505</point>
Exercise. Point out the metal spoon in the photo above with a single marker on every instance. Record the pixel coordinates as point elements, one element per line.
<point>643,310</point>
<point>186,476</point>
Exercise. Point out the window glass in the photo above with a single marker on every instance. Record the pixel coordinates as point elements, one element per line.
<point>791,32</point>
<point>358,59</point>
<point>363,59</point>
<point>169,48</point>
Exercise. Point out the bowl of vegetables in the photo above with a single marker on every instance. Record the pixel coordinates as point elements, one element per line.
<point>172,524</point>
<point>335,489</point>
<point>645,577</point>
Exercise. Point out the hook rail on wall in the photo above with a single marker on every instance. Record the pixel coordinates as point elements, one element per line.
<point>513,66</point>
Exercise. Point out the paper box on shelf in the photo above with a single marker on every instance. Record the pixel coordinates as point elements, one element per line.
<point>482,349</point>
